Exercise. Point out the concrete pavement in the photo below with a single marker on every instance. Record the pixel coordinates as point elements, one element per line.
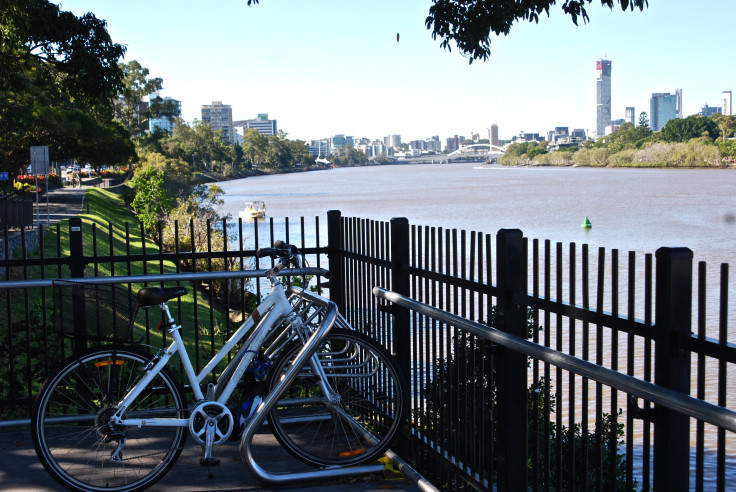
<point>20,470</point>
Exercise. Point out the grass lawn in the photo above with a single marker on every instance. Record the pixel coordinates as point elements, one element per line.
<point>110,229</point>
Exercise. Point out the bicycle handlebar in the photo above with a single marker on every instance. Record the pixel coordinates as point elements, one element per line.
<point>280,250</point>
<point>288,255</point>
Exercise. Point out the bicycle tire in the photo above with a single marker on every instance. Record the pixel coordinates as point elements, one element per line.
<point>357,428</point>
<point>73,439</point>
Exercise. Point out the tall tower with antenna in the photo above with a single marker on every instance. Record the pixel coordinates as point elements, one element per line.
<point>603,96</point>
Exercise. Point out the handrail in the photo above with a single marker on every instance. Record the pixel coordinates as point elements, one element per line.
<point>163,277</point>
<point>702,410</point>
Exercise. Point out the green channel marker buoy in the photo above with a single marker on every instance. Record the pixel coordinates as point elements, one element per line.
<point>586,224</point>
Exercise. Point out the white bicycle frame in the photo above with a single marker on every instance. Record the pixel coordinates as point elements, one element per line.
<point>270,313</point>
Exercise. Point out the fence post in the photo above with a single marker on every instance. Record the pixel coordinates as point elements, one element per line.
<point>400,284</point>
<point>76,265</point>
<point>401,317</point>
<point>335,260</point>
<point>672,366</point>
<point>511,367</point>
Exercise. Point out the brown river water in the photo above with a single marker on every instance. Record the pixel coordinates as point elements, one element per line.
<point>636,210</point>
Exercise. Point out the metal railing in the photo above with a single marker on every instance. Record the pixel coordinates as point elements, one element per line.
<point>469,428</point>
<point>668,349</point>
<point>683,403</point>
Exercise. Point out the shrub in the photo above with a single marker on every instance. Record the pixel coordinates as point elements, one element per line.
<point>460,385</point>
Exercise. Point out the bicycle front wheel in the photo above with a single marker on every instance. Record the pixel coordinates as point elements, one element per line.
<point>359,416</point>
<point>74,438</point>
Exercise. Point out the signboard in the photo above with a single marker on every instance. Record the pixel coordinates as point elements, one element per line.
<point>4,176</point>
<point>39,160</point>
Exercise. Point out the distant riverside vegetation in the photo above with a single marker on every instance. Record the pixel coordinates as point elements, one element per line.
<point>695,141</point>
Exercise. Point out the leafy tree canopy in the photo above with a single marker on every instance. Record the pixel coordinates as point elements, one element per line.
<point>130,109</point>
<point>59,77</point>
<point>684,129</point>
<point>76,54</point>
<point>469,23</point>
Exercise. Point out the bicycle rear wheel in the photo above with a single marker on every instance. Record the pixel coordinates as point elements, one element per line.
<point>361,419</point>
<point>71,428</point>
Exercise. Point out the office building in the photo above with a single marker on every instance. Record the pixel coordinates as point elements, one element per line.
<point>726,103</point>
<point>493,138</point>
<point>559,134</point>
<point>663,107</point>
<point>630,115</point>
<point>318,148</point>
<point>433,144</point>
<point>164,123</point>
<point>260,123</point>
<point>220,118</point>
<point>706,110</point>
<point>340,141</point>
<point>603,96</point>
<point>392,141</point>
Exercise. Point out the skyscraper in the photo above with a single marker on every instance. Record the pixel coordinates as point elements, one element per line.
<point>663,107</point>
<point>726,103</point>
<point>494,134</point>
<point>603,96</point>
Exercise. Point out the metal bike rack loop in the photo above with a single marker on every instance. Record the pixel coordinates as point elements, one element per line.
<point>246,441</point>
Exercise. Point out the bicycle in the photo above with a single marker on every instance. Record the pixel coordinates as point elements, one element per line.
<point>115,418</point>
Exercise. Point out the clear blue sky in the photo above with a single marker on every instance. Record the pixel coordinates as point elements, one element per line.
<point>324,67</point>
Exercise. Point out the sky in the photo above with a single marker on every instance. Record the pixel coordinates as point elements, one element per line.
<point>326,67</point>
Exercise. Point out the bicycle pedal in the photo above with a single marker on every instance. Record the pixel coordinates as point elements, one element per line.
<point>209,462</point>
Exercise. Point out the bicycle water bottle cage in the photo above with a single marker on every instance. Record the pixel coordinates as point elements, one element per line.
<point>153,296</point>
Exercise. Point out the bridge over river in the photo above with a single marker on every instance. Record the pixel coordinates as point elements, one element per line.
<point>475,152</point>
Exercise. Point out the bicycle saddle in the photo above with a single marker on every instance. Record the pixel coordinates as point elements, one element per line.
<point>152,296</point>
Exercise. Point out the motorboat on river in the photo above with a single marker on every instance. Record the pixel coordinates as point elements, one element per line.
<point>253,210</point>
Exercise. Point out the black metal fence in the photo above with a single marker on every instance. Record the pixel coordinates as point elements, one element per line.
<point>15,211</point>
<point>481,415</point>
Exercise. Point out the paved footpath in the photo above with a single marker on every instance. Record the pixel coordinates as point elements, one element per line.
<point>62,204</point>
<point>20,470</point>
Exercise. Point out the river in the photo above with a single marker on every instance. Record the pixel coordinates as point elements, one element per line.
<point>636,210</point>
<point>630,209</point>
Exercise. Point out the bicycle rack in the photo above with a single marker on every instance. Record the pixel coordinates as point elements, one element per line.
<point>246,441</point>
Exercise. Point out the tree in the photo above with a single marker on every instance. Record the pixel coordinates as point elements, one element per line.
<point>255,147</point>
<point>129,109</point>
<point>644,119</point>
<point>469,23</point>
<point>726,124</point>
<point>151,201</point>
<point>59,77</point>
<point>684,129</point>
<point>199,145</point>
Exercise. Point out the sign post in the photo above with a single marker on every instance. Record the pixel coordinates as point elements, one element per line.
<point>40,166</point>
<point>4,180</point>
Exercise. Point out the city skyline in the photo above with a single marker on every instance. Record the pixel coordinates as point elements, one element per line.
<point>322,70</point>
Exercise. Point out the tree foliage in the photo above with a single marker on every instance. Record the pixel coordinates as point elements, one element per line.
<point>136,85</point>
<point>469,23</point>
<point>152,201</point>
<point>463,384</point>
<point>684,129</point>
<point>59,77</point>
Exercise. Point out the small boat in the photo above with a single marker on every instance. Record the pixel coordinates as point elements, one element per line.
<point>253,210</point>
<point>586,224</point>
